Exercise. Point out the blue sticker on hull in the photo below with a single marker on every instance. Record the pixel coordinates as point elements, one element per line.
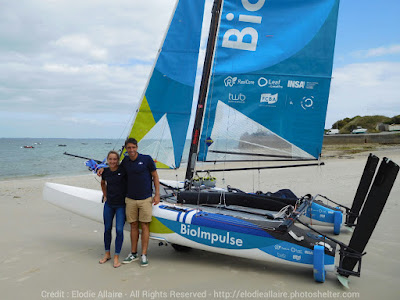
<point>320,213</point>
<point>294,253</point>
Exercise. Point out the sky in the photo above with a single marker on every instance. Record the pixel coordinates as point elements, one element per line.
<point>78,68</point>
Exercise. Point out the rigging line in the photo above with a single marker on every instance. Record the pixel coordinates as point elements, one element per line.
<point>159,140</point>
<point>261,154</point>
<point>263,168</point>
<point>290,75</point>
<point>259,160</point>
<point>260,146</point>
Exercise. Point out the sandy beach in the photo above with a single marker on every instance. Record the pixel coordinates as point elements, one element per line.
<point>49,253</point>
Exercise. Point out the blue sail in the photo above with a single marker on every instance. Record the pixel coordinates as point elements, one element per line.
<point>163,115</point>
<point>270,82</point>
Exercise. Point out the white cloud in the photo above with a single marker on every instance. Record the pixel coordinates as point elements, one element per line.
<point>61,59</point>
<point>364,89</point>
<point>80,44</point>
<point>377,52</point>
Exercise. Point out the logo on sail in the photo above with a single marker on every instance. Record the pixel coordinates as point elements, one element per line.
<point>238,98</point>
<point>269,98</point>
<point>230,81</point>
<point>296,84</point>
<point>274,84</point>
<point>307,102</point>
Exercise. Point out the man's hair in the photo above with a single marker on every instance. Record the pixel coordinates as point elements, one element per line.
<point>130,141</point>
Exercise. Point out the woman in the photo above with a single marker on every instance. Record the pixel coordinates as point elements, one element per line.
<point>113,184</point>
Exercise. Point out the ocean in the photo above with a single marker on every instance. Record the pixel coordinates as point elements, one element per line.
<point>47,158</point>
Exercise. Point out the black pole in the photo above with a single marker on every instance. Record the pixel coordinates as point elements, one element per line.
<point>78,156</point>
<point>203,92</point>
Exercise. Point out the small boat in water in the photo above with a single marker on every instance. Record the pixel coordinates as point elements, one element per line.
<point>28,147</point>
<point>62,145</point>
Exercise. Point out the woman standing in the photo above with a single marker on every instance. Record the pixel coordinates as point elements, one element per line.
<point>113,184</point>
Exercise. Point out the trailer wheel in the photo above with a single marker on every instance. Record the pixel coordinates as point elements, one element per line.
<point>181,248</point>
<point>319,266</point>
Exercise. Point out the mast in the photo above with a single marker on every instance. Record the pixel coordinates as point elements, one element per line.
<point>194,146</point>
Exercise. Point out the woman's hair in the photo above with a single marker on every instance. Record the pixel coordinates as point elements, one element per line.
<point>113,152</point>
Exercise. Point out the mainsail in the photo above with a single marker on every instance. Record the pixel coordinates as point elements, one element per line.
<point>163,115</point>
<point>270,81</point>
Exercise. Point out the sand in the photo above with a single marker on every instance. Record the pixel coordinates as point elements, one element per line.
<point>49,253</point>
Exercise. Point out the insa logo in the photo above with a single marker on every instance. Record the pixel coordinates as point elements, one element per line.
<point>230,81</point>
<point>269,98</point>
<point>296,84</point>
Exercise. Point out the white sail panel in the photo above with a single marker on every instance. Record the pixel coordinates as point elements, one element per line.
<point>158,144</point>
<point>237,137</point>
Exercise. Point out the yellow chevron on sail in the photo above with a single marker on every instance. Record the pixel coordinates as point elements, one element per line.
<point>144,121</point>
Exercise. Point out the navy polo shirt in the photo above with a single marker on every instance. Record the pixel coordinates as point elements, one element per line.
<point>116,186</point>
<point>139,179</point>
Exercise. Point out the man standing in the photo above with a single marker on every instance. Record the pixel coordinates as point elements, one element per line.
<point>141,173</point>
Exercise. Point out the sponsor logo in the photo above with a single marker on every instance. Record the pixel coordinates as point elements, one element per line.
<point>245,81</point>
<point>273,84</point>
<point>296,84</point>
<point>140,163</point>
<point>308,252</point>
<point>269,98</point>
<point>311,85</point>
<point>239,98</point>
<point>297,257</point>
<point>277,247</point>
<point>298,251</point>
<point>281,255</point>
<point>230,81</point>
<point>213,238</point>
<point>307,103</point>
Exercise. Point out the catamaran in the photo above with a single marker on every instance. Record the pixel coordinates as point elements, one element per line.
<point>263,97</point>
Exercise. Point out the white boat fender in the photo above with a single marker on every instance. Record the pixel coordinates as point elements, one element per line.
<point>294,236</point>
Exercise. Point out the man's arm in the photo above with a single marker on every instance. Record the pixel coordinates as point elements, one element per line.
<point>156,181</point>
<point>104,189</point>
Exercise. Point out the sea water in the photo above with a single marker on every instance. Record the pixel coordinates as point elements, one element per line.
<point>47,158</point>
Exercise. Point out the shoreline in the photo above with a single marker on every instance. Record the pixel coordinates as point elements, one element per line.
<point>46,249</point>
<point>329,152</point>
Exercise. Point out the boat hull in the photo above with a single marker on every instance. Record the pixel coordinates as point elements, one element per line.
<point>194,228</point>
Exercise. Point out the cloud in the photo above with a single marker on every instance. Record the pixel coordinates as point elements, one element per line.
<point>80,44</point>
<point>377,52</point>
<point>364,89</point>
<point>66,60</point>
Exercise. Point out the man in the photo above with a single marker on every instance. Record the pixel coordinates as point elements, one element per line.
<point>141,173</point>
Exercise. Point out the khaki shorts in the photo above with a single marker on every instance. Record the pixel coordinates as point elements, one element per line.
<point>139,210</point>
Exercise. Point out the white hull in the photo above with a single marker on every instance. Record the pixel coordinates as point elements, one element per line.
<point>88,203</point>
